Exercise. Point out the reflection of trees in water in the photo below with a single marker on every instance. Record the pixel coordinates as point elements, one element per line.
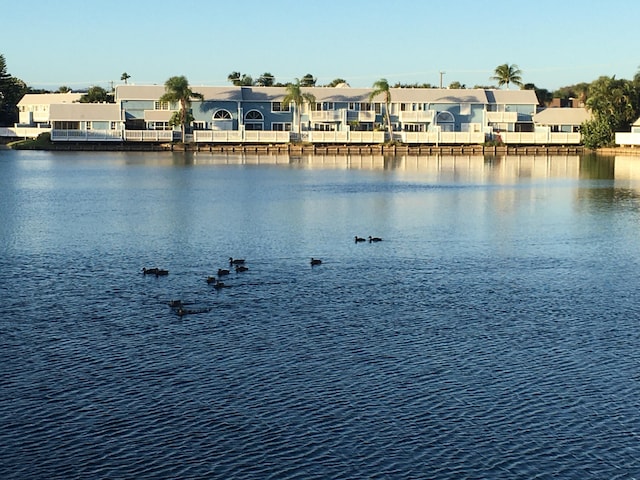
<point>596,167</point>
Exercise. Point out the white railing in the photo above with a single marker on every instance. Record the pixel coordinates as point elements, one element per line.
<point>86,135</point>
<point>23,132</point>
<point>627,138</point>
<point>148,135</point>
<point>540,137</point>
<point>502,117</point>
<point>366,137</point>
<point>328,137</point>
<point>422,116</point>
<point>217,136</point>
<point>266,136</point>
<point>326,115</point>
<point>361,116</point>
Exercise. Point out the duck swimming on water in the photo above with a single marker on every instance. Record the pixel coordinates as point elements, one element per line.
<point>316,261</point>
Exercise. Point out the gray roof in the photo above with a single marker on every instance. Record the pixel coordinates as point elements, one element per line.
<point>339,94</point>
<point>48,98</point>
<point>85,111</point>
<point>562,116</point>
<point>512,97</point>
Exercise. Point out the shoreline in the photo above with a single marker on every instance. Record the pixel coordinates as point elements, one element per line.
<point>312,149</point>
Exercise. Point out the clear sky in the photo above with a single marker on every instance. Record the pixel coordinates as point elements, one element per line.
<point>555,43</point>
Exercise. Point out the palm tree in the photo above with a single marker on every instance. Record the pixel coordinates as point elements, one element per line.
<point>125,76</point>
<point>177,90</point>
<point>296,96</point>
<point>506,74</point>
<point>381,87</point>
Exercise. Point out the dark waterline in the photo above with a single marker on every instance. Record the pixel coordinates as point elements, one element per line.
<point>491,334</point>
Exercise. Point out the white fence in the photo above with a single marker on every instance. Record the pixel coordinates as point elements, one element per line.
<point>148,135</point>
<point>22,132</point>
<point>86,135</point>
<point>627,138</point>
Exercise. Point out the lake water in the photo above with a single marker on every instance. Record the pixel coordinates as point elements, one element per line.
<point>493,333</point>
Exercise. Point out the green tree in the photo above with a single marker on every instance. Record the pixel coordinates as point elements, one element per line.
<point>240,79</point>
<point>64,89</point>
<point>124,77</point>
<point>381,87</point>
<point>177,90</point>
<point>296,96</point>
<point>506,74</point>
<point>308,81</point>
<point>11,91</point>
<point>265,80</point>
<point>96,94</point>
<point>457,85</point>
<point>614,105</point>
<point>544,95</point>
<point>337,81</point>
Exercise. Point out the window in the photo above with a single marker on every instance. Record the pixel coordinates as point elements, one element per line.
<point>324,106</point>
<point>253,115</point>
<point>465,109</point>
<point>281,127</point>
<point>222,115</point>
<point>279,107</point>
<point>324,127</point>
<point>199,125</point>
<point>89,125</point>
<point>161,105</point>
<point>253,120</point>
<point>66,125</point>
<point>413,127</point>
<point>377,107</point>
<point>114,125</point>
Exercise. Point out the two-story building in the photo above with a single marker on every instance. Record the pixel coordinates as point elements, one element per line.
<point>344,115</point>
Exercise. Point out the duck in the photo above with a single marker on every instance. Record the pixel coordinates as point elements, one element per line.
<point>222,272</point>
<point>360,239</point>
<point>218,285</point>
<point>176,303</point>
<point>315,261</point>
<point>374,239</point>
<point>236,261</point>
<point>211,279</point>
<point>162,273</point>
<point>150,271</point>
<point>241,268</point>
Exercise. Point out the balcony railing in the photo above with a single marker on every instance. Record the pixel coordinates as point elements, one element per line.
<point>326,115</point>
<point>361,116</point>
<point>419,116</point>
<point>502,117</point>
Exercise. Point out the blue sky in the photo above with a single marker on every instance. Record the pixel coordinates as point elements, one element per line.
<point>81,43</point>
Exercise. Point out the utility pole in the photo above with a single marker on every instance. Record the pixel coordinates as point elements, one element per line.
<point>441,74</point>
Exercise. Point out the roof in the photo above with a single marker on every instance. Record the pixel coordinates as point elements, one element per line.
<point>49,98</point>
<point>438,95</point>
<point>512,97</point>
<point>562,116</point>
<point>154,92</point>
<point>85,111</point>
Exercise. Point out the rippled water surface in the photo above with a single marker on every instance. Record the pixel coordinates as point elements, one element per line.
<point>493,333</point>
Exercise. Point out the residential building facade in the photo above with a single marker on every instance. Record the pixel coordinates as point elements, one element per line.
<point>339,115</point>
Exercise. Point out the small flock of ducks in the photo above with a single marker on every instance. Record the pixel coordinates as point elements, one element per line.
<point>371,239</point>
<point>237,264</point>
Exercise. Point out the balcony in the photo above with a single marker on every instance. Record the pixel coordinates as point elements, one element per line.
<point>502,117</point>
<point>326,115</point>
<point>419,116</point>
<point>368,116</point>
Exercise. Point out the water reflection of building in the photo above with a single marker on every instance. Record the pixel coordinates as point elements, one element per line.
<point>626,168</point>
<point>472,167</point>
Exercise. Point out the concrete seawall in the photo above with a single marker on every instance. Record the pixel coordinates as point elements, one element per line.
<point>304,149</point>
